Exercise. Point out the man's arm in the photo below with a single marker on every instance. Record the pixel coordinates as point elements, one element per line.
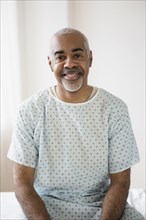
<point>31,203</point>
<point>115,199</point>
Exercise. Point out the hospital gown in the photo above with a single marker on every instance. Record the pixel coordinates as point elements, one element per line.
<point>74,147</point>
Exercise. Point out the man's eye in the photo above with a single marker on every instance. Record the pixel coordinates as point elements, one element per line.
<point>60,58</point>
<point>77,55</point>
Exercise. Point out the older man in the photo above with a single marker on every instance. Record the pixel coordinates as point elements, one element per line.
<point>73,145</point>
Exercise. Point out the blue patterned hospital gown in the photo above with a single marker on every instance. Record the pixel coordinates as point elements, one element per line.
<point>74,147</point>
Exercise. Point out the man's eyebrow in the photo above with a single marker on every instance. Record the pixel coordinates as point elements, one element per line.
<point>62,51</point>
<point>59,52</point>
<point>77,49</point>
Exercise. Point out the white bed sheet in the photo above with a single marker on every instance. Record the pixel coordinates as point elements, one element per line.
<point>137,199</point>
<point>10,208</point>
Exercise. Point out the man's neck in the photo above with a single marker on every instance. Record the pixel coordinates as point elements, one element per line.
<point>79,96</point>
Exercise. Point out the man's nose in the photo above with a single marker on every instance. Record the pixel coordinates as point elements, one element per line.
<point>70,63</point>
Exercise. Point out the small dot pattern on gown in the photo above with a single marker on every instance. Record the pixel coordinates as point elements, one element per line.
<point>73,148</point>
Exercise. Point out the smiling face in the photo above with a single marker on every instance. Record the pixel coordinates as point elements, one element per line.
<point>70,60</point>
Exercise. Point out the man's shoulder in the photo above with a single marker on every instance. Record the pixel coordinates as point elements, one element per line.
<point>111,99</point>
<point>36,101</point>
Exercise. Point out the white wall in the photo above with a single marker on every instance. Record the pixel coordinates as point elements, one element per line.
<point>115,30</point>
<point>38,21</point>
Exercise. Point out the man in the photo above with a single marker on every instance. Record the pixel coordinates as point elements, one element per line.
<point>73,145</point>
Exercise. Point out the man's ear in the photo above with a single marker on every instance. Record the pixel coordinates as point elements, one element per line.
<point>90,58</point>
<point>50,63</point>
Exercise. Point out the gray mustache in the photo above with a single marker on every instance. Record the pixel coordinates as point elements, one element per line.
<point>66,71</point>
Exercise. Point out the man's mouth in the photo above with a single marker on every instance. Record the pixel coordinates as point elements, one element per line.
<point>73,75</point>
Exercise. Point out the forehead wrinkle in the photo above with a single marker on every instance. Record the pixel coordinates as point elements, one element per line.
<point>55,40</point>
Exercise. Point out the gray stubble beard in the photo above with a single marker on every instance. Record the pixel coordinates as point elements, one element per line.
<point>72,86</point>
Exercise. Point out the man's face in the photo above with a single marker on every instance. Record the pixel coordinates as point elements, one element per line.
<point>70,61</point>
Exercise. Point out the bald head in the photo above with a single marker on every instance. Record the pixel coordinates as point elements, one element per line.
<point>70,31</point>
